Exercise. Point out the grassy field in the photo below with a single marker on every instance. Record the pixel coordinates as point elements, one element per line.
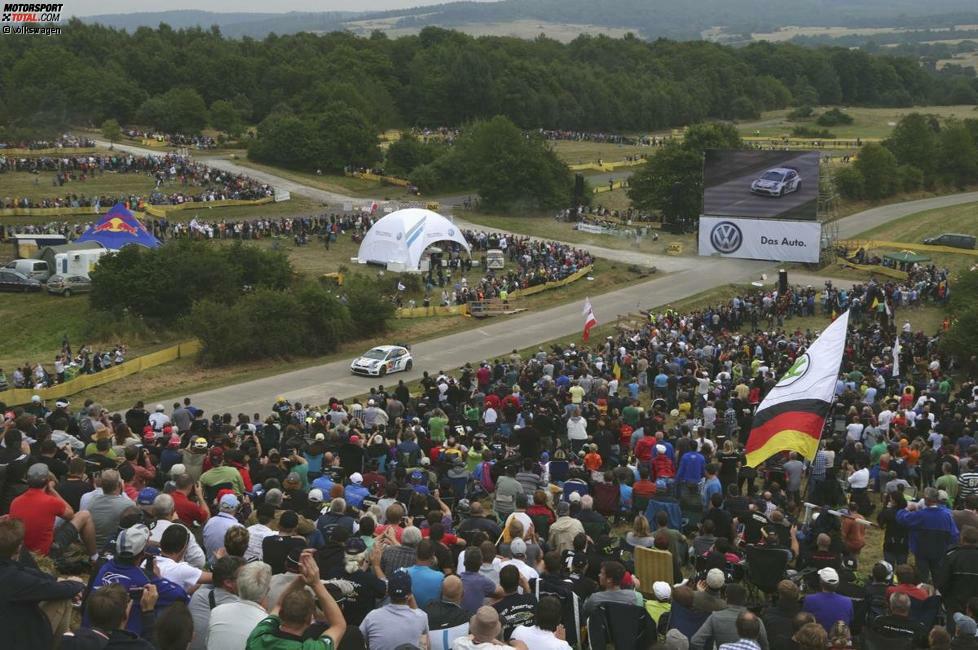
<point>573,152</point>
<point>966,59</point>
<point>546,226</point>
<point>868,122</point>
<point>333,183</point>
<point>41,185</point>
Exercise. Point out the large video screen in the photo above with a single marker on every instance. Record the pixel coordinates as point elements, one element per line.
<point>761,184</point>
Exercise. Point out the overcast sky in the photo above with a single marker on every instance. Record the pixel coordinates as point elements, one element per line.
<point>95,7</point>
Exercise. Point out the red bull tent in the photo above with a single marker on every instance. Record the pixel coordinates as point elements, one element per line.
<point>117,228</point>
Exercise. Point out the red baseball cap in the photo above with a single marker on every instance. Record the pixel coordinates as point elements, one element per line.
<point>216,452</point>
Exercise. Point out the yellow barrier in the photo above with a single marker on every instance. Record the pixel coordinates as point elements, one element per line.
<point>391,135</point>
<point>605,166</point>
<point>162,210</point>
<point>434,310</point>
<point>901,245</point>
<point>806,143</point>
<point>875,268</point>
<point>605,187</point>
<point>47,212</point>
<point>376,178</point>
<point>153,142</point>
<point>573,277</point>
<point>54,151</point>
<point>16,396</point>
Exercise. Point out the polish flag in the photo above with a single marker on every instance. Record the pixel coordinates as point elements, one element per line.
<point>589,322</point>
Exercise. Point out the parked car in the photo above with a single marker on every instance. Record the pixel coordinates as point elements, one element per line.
<point>69,284</point>
<point>37,269</point>
<point>16,281</point>
<point>952,239</point>
<point>381,360</point>
<point>777,182</point>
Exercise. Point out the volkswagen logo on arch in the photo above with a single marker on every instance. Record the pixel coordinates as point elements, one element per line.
<point>726,237</point>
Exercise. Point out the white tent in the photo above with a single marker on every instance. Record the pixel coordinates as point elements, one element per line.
<point>399,239</point>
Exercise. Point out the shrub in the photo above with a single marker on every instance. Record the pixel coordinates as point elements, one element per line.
<point>801,113</point>
<point>849,181</point>
<point>811,132</point>
<point>833,117</point>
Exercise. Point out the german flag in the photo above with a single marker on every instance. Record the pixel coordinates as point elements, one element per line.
<point>792,415</point>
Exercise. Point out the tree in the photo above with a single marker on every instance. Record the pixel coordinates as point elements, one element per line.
<point>671,182</point>
<point>914,142</point>
<point>111,130</point>
<point>281,140</point>
<point>341,137</point>
<point>178,110</point>
<point>833,117</point>
<point>878,167</point>
<point>225,117</point>
<point>958,160</point>
<point>961,340</point>
<point>409,153</point>
<point>850,183</point>
<point>369,309</point>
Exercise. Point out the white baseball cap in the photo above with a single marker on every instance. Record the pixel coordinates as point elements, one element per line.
<point>828,575</point>
<point>662,590</point>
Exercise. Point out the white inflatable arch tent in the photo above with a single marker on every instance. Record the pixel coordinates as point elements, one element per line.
<point>398,239</point>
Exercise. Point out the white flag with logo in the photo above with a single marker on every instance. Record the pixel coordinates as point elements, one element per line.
<point>587,307</point>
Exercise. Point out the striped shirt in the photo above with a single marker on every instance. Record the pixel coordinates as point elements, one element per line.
<point>741,644</point>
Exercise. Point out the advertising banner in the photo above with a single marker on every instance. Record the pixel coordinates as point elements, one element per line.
<point>761,184</point>
<point>760,239</point>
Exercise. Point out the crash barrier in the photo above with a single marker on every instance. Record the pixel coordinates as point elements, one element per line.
<point>896,274</point>
<point>600,166</point>
<point>162,210</point>
<point>480,308</point>
<point>607,187</point>
<point>556,284</point>
<point>494,306</point>
<point>377,178</point>
<point>16,396</point>
<point>54,151</point>
<point>810,143</point>
<point>855,244</point>
<point>153,142</point>
<point>432,310</point>
<point>49,212</point>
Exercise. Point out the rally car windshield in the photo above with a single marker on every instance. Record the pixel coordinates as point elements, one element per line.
<point>376,353</point>
<point>772,176</point>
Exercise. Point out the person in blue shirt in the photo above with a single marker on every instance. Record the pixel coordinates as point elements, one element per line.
<point>323,483</point>
<point>711,485</point>
<point>124,569</point>
<point>690,470</point>
<point>932,532</point>
<point>827,606</point>
<point>355,493</point>
<point>425,580</point>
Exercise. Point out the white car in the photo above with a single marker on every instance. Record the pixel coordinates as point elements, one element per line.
<point>381,360</point>
<point>777,182</point>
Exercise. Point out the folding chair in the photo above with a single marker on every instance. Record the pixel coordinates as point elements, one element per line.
<point>652,565</point>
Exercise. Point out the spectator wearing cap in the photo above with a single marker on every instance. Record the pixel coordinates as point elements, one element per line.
<point>291,618</point>
<point>898,626</point>
<point>399,621</point>
<point>28,594</point>
<point>564,529</point>
<point>517,557</point>
<point>708,596</point>
<point>193,457</point>
<point>722,626</point>
<point>39,507</point>
<point>276,548</point>
<point>171,454</point>
<point>204,601</point>
<point>355,493</point>
<point>189,502</point>
<point>162,512</point>
<point>827,606</point>
<point>217,526</point>
<point>932,532</point>
<point>221,474</point>
<point>123,568</point>
<point>662,601</point>
<point>232,623</point>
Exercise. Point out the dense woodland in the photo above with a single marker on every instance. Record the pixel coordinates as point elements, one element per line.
<point>172,78</point>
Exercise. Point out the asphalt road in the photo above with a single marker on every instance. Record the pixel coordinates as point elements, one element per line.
<point>733,197</point>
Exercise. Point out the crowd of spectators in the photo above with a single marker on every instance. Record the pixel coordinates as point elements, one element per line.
<point>178,179</point>
<point>65,367</point>
<point>487,507</point>
<point>65,141</point>
<point>173,139</point>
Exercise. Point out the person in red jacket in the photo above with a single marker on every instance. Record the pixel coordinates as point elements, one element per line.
<point>189,512</point>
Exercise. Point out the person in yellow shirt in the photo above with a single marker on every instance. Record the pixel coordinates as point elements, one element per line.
<point>576,393</point>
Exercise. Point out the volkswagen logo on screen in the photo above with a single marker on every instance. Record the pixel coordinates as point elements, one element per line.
<point>726,237</point>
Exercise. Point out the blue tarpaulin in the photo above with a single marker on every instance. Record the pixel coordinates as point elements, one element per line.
<point>117,228</point>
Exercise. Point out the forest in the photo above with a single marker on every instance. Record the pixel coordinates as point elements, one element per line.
<point>171,79</point>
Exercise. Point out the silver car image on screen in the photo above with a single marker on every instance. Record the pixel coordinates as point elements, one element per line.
<point>761,184</point>
<point>777,182</point>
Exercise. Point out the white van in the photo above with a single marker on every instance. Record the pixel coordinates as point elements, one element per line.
<point>37,269</point>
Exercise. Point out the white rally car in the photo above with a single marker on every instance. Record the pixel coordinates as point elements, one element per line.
<point>777,182</point>
<point>381,360</point>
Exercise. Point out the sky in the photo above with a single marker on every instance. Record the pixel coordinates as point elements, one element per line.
<point>96,7</point>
